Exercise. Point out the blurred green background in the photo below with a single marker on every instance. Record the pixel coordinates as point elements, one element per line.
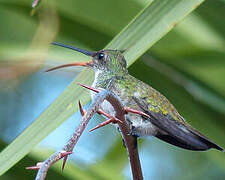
<point>187,66</point>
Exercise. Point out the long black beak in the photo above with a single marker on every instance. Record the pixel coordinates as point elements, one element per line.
<point>88,53</point>
<point>86,64</point>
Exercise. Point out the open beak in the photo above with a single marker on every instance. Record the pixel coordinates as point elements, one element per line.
<point>86,64</point>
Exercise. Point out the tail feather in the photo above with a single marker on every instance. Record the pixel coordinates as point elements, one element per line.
<point>193,141</point>
<point>206,140</point>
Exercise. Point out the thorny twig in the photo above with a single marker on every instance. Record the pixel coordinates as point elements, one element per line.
<point>130,141</point>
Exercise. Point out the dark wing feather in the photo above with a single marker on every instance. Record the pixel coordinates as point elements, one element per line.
<point>176,132</point>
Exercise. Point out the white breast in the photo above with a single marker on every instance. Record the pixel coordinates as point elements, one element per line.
<point>106,106</point>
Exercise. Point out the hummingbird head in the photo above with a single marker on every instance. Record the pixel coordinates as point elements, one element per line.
<point>103,60</point>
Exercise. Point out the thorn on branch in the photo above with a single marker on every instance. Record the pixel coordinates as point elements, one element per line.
<point>127,110</point>
<point>111,119</point>
<point>81,109</point>
<point>64,155</point>
<point>124,127</point>
<point>64,162</point>
<point>109,116</point>
<point>104,113</point>
<point>38,165</point>
<point>90,88</point>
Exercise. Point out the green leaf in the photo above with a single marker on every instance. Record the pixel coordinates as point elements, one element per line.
<point>146,29</point>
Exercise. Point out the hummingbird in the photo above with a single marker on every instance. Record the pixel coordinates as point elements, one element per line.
<point>165,123</point>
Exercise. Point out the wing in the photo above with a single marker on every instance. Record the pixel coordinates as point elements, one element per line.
<point>173,128</point>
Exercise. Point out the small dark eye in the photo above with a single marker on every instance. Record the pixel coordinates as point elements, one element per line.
<point>100,55</point>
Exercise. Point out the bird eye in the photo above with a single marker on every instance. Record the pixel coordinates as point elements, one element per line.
<point>100,55</point>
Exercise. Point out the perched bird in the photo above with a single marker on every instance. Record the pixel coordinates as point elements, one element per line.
<point>164,123</point>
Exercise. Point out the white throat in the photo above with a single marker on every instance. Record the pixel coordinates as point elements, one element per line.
<point>94,83</point>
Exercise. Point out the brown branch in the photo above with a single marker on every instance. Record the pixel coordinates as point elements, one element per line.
<point>130,141</point>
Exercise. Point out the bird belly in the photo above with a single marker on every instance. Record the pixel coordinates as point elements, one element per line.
<point>140,126</point>
<point>108,108</point>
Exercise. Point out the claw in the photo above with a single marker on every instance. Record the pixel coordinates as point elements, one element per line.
<point>81,109</point>
<point>90,88</point>
<point>127,109</point>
